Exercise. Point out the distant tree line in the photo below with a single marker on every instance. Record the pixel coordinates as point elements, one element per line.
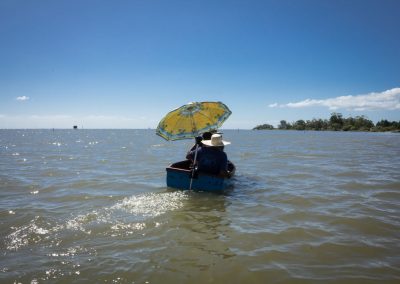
<point>336,123</point>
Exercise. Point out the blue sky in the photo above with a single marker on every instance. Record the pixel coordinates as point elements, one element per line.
<point>124,64</point>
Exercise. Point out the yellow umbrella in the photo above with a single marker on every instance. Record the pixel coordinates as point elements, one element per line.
<point>190,120</point>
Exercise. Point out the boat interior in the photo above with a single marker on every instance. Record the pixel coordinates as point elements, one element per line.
<point>186,165</point>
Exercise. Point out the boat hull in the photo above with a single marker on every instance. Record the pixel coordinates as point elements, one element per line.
<point>179,175</point>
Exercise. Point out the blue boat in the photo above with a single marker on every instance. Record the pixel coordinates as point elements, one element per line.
<point>179,175</point>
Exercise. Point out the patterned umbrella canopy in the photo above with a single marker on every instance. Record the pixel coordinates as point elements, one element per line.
<point>190,120</point>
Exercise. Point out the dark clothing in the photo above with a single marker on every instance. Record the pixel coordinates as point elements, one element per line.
<point>210,159</point>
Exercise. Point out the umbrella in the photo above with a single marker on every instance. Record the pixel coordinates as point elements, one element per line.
<point>190,120</point>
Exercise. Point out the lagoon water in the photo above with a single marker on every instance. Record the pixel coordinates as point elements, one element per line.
<point>92,206</point>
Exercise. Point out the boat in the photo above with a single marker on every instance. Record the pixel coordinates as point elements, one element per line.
<point>179,176</point>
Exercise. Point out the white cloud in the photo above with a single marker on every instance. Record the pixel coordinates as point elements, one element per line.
<point>22,98</point>
<point>387,100</point>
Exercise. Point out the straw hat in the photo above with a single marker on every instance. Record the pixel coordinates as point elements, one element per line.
<point>216,141</point>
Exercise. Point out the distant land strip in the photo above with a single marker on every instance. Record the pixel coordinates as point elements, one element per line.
<point>336,123</point>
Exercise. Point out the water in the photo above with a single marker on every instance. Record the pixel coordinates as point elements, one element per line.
<point>82,206</point>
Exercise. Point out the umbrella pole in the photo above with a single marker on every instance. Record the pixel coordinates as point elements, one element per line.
<point>194,166</point>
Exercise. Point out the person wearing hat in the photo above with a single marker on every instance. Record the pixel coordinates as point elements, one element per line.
<point>199,139</point>
<point>211,157</point>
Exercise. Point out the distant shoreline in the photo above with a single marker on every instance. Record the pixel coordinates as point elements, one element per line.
<point>336,123</point>
<point>331,130</point>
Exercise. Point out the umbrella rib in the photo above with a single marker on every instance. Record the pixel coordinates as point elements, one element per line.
<point>193,125</point>
<point>200,113</point>
<point>216,123</point>
<point>176,123</point>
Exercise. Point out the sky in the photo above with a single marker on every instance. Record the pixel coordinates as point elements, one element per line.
<point>125,64</point>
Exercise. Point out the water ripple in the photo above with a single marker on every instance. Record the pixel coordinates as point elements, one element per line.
<point>92,206</point>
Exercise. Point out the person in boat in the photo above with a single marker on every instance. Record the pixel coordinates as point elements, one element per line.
<point>211,157</point>
<point>199,139</point>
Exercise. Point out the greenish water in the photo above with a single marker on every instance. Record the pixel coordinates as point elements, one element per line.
<point>92,206</point>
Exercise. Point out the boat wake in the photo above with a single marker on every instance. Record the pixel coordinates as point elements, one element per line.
<point>123,218</point>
